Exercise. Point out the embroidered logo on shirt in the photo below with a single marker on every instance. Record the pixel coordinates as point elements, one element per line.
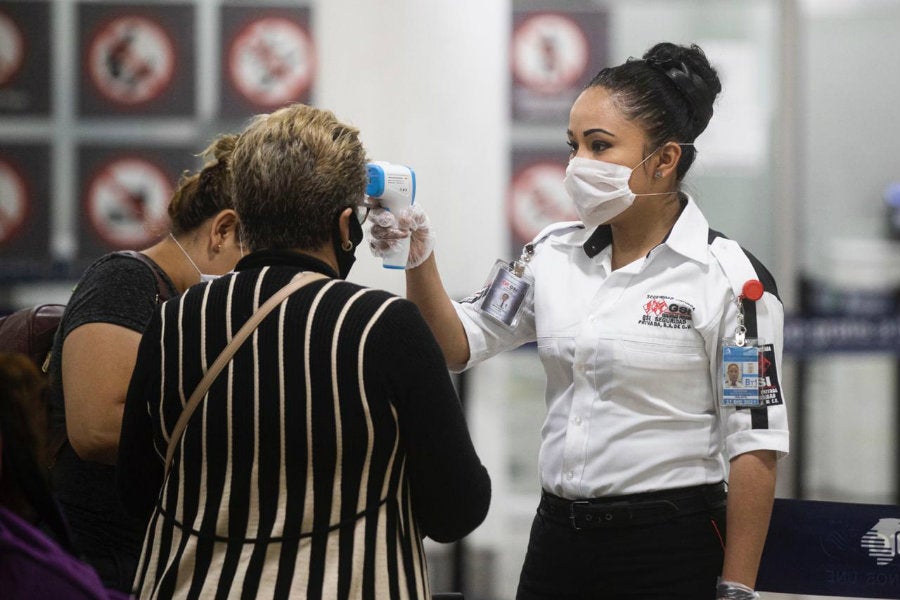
<point>666,311</point>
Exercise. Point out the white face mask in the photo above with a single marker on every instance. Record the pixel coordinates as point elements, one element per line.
<point>204,277</point>
<point>600,189</point>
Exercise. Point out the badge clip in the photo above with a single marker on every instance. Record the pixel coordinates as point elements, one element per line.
<point>740,357</point>
<point>507,288</point>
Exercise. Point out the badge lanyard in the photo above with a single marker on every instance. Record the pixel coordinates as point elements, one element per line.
<point>740,356</point>
<point>507,288</point>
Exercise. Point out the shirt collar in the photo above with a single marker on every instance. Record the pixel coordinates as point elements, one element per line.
<point>290,258</point>
<point>687,237</point>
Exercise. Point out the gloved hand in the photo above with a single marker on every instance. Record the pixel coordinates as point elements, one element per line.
<point>412,222</point>
<point>731,590</point>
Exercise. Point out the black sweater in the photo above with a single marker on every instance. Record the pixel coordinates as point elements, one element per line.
<point>332,442</point>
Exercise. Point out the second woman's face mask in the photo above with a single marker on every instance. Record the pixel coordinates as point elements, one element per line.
<point>599,189</point>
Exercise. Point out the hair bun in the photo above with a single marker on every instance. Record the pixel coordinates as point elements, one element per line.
<point>222,147</point>
<point>688,68</point>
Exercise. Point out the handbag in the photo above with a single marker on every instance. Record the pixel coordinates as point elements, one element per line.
<point>225,357</point>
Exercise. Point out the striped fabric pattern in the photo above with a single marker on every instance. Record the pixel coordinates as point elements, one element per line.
<point>290,479</point>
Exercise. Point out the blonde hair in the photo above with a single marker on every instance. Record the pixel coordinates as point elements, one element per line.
<point>293,171</point>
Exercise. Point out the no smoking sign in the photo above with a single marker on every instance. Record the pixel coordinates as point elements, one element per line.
<point>126,202</point>
<point>550,53</point>
<point>14,202</point>
<point>131,60</point>
<point>12,49</point>
<point>538,198</point>
<point>272,61</point>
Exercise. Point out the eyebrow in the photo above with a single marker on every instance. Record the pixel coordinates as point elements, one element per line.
<point>588,132</point>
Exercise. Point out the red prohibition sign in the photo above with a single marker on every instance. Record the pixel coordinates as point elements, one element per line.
<point>131,60</point>
<point>14,202</point>
<point>550,53</point>
<point>12,48</point>
<point>538,198</point>
<point>272,61</point>
<point>127,202</point>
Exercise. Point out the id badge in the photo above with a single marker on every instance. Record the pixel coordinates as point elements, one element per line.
<point>505,293</point>
<point>740,374</point>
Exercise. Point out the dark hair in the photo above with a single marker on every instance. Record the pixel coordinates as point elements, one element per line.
<point>23,439</point>
<point>670,92</point>
<point>205,193</point>
<point>293,171</point>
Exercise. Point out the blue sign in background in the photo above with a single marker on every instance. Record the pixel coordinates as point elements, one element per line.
<point>804,337</point>
<point>817,548</point>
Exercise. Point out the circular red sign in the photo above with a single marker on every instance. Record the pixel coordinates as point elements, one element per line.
<point>14,202</point>
<point>272,61</point>
<point>538,198</point>
<point>127,202</point>
<point>12,49</point>
<point>550,53</point>
<point>131,60</point>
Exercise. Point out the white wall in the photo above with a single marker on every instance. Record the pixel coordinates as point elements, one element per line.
<point>426,83</point>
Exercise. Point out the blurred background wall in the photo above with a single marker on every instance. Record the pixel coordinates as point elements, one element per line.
<point>797,165</point>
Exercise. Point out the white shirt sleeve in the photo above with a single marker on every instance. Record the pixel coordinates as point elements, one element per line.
<point>766,427</point>
<point>488,337</point>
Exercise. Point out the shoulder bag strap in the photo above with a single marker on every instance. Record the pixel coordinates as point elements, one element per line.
<point>243,333</point>
<point>162,288</point>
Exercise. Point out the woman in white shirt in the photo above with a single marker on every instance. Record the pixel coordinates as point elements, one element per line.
<point>629,310</point>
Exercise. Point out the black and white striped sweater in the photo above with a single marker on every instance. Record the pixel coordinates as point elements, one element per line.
<point>323,453</point>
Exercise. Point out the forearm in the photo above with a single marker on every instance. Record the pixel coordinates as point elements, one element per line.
<point>425,288</point>
<point>751,493</point>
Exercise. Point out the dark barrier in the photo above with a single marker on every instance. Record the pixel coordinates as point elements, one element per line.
<point>832,549</point>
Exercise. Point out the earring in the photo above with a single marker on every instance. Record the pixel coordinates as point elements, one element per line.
<point>658,175</point>
<point>347,246</point>
<point>219,247</point>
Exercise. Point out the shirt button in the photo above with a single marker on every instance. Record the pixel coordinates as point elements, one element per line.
<point>577,420</point>
<point>570,475</point>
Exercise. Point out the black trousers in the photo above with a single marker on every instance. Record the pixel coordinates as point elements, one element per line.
<point>679,558</point>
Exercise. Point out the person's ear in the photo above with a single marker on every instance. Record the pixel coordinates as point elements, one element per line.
<point>224,224</point>
<point>344,226</point>
<point>667,160</point>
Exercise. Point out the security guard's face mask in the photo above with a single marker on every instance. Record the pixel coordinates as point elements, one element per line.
<point>600,189</point>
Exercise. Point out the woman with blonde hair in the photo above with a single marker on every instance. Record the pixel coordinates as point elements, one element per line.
<point>332,440</point>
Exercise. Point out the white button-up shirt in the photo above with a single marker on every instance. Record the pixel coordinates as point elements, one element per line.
<point>632,359</point>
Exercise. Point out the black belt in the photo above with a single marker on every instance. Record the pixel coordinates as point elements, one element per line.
<point>638,509</point>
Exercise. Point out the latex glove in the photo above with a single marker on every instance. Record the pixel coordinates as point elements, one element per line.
<point>412,222</point>
<point>730,590</point>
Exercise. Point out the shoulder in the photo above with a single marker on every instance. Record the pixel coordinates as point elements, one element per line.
<point>739,264</point>
<point>348,290</point>
<point>116,269</point>
<point>361,301</point>
<point>560,230</point>
<point>116,289</point>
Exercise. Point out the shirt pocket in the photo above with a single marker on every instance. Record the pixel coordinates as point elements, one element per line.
<point>650,355</point>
